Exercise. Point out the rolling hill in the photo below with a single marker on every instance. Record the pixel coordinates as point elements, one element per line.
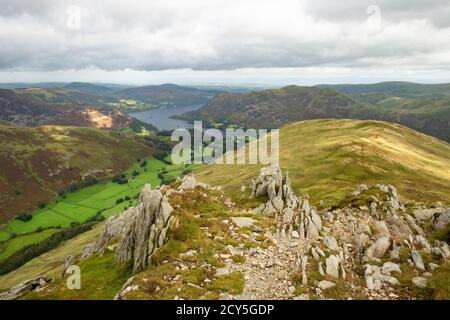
<point>35,107</point>
<point>167,95</point>
<point>394,88</point>
<point>39,162</point>
<point>328,158</point>
<point>88,88</point>
<point>276,107</point>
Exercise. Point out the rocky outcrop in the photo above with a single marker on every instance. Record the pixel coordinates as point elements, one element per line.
<point>139,231</point>
<point>441,220</point>
<point>292,213</point>
<point>24,288</point>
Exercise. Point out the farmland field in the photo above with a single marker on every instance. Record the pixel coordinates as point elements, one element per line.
<point>104,198</point>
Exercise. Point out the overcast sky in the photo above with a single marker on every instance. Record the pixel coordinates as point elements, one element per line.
<point>225,41</point>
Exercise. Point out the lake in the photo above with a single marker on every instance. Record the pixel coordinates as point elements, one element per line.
<point>161,117</point>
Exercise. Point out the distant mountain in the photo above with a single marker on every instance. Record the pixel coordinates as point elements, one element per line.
<point>394,88</point>
<point>21,85</point>
<point>23,109</point>
<point>275,107</point>
<point>167,95</point>
<point>88,88</point>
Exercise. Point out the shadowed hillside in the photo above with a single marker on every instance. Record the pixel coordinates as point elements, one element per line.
<point>36,163</point>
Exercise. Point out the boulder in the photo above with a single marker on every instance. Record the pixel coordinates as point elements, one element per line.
<point>332,266</point>
<point>24,288</point>
<point>420,282</point>
<point>324,285</point>
<point>417,259</point>
<point>330,243</point>
<point>389,267</point>
<point>441,220</point>
<point>378,249</point>
<point>242,222</point>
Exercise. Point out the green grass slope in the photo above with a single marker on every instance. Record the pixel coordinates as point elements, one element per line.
<point>39,162</point>
<point>106,198</point>
<point>328,158</point>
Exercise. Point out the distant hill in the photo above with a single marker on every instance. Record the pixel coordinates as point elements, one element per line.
<point>328,158</point>
<point>394,88</point>
<point>88,88</point>
<point>167,95</point>
<point>276,107</point>
<point>38,162</point>
<point>31,107</point>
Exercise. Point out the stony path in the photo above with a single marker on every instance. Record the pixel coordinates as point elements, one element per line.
<point>268,272</point>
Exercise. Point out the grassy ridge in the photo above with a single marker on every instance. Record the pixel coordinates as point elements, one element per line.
<point>328,158</point>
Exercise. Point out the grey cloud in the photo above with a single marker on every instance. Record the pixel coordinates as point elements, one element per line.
<point>221,35</point>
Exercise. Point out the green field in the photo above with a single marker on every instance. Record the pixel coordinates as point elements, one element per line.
<point>83,204</point>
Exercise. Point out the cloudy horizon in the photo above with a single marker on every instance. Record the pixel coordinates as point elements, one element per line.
<point>218,41</point>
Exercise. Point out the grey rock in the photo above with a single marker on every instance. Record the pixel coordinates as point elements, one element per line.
<point>378,249</point>
<point>440,221</point>
<point>389,267</point>
<point>420,282</point>
<point>331,243</point>
<point>324,285</point>
<point>24,288</point>
<point>417,259</point>
<point>242,222</point>
<point>140,231</point>
<point>332,266</point>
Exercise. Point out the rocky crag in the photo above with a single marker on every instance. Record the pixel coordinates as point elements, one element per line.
<point>372,231</point>
<point>371,245</point>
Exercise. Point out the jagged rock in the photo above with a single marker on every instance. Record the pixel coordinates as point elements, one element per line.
<point>389,267</point>
<point>331,243</point>
<point>398,229</point>
<point>417,259</point>
<point>139,231</point>
<point>312,232</point>
<point>372,275</point>
<point>324,285</point>
<point>70,260</point>
<point>441,221</point>
<point>420,282</point>
<point>390,279</point>
<point>24,288</point>
<point>295,234</point>
<point>332,266</point>
<point>423,243</point>
<point>412,224</point>
<point>378,249</point>
<point>320,269</point>
<point>382,229</point>
<point>361,242</point>
<point>189,183</point>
